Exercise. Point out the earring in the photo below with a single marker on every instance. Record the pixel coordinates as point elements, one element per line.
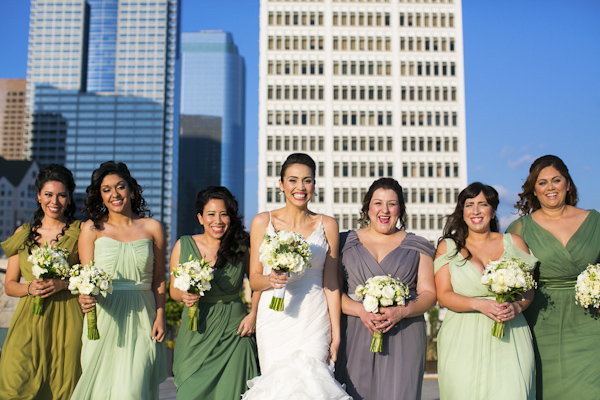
<point>132,196</point>
<point>316,194</point>
<point>281,191</point>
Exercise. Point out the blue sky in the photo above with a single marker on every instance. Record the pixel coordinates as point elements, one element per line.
<point>531,74</point>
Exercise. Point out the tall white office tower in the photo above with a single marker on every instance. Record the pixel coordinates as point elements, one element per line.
<point>370,89</point>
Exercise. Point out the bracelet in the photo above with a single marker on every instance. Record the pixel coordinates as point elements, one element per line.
<point>29,284</point>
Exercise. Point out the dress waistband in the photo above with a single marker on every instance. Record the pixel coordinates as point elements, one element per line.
<point>557,283</point>
<point>130,285</point>
<point>212,299</point>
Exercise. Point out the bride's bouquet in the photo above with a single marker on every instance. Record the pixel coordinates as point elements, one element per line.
<point>48,262</point>
<point>381,291</point>
<point>193,276</point>
<point>507,278</point>
<point>285,251</point>
<point>90,280</point>
<point>587,288</point>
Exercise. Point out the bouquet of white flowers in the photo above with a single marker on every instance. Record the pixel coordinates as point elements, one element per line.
<point>587,288</point>
<point>90,280</point>
<point>507,278</point>
<point>287,252</point>
<point>381,291</point>
<point>48,262</point>
<point>193,276</point>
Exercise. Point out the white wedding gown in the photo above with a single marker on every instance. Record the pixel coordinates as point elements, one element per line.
<point>293,344</point>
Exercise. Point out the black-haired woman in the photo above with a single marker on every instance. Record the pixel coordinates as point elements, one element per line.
<point>129,360</point>
<point>472,363</point>
<point>40,357</point>
<point>216,360</point>
<point>382,247</point>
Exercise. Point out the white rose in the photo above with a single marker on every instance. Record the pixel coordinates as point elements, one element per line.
<point>385,302</point>
<point>182,283</point>
<point>86,288</point>
<point>388,292</point>
<point>38,271</point>
<point>371,304</point>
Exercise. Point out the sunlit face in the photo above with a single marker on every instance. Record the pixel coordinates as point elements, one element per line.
<point>384,211</point>
<point>54,198</point>
<point>551,188</point>
<point>115,193</point>
<point>298,184</point>
<point>215,219</point>
<point>478,213</point>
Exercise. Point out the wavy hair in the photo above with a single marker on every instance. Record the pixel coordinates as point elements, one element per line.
<point>387,184</point>
<point>236,240</point>
<point>52,173</point>
<point>94,206</point>
<point>528,202</point>
<point>456,228</point>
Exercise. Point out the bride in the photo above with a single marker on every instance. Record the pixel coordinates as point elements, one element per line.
<point>297,346</point>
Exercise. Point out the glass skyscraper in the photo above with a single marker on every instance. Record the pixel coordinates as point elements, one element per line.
<point>102,85</point>
<point>212,138</point>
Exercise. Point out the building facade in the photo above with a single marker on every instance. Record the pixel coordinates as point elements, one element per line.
<point>369,89</point>
<point>212,128</point>
<point>103,85</point>
<point>12,118</point>
<point>18,197</point>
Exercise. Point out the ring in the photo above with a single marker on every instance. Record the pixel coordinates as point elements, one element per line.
<point>389,322</point>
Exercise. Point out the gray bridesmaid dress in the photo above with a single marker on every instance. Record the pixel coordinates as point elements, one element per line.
<point>396,372</point>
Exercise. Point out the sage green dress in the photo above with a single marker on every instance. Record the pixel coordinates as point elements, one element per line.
<point>566,335</point>
<point>473,364</point>
<point>125,363</point>
<point>214,362</point>
<point>40,357</point>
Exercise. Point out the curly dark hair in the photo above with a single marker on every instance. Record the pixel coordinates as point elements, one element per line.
<point>528,202</point>
<point>52,173</point>
<point>236,240</point>
<point>456,228</point>
<point>298,158</point>
<point>388,184</point>
<point>94,206</point>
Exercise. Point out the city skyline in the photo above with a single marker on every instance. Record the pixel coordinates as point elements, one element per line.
<point>530,82</point>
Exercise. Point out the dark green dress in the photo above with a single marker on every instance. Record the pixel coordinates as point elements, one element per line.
<point>40,357</point>
<point>566,335</point>
<point>214,362</point>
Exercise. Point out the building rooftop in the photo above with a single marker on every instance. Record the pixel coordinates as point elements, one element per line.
<point>14,170</point>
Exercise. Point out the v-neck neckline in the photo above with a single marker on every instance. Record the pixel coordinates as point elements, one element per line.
<point>387,255</point>
<point>566,245</point>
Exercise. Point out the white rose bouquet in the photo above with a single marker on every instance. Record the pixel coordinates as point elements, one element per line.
<point>287,252</point>
<point>507,278</point>
<point>48,262</point>
<point>381,291</point>
<point>587,288</point>
<point>193,276</point>
<point>90,280</point>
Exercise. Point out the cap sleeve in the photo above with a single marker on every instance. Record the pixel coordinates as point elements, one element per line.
<point>446,258</point>
<point>515,227</point>
<point>12,244</point>
<point>514,251</point>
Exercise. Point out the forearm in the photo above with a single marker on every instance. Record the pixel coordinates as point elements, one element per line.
<point>334,308</point>
<point>259,282</point>
<point>254,302</point>
<point>420,305</point>
<point>351,307</point>
<point>16,289</point>
<point>458,303</point>
<point>524,302</point>
<point>159,290</point>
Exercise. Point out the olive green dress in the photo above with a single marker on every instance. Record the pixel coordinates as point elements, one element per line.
<point>40,357</point>
<point>214,362</point>
<point>566,335</point>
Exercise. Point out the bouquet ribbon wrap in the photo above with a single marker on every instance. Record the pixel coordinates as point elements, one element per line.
<point>92,321</point>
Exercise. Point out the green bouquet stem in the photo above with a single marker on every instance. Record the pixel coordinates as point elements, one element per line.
<point>498,329</point>
<point>276,304</point>
<point>377,342</point>
<point>92,321</point>
<point>38,305</point>
<point>193,317</point>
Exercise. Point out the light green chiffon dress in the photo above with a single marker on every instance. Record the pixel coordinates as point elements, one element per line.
<point>473,364</point>
<point>214,362</point>
<point>566,335</point>
<point>125,363</point>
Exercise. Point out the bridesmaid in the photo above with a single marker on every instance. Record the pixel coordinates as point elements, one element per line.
<point>565,239</point>
<point>129,360</point>
<point>40,357</point>
<point>472,363</point>
<point>383,247</point>
<point>215,361</point>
